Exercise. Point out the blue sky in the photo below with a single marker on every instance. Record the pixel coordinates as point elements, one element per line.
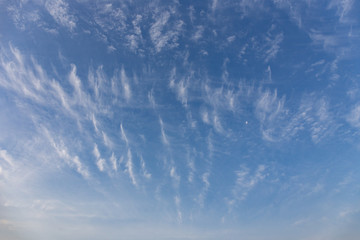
<point>179,119</point>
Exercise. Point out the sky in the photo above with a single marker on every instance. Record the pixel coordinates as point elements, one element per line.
<point>179,119</point>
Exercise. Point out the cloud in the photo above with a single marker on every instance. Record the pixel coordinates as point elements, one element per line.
<point>107,140</point>
<point>63,153</point>
<point>316,115</point>
<point>175,177</point>
<point>23,17</point>
<point>343,7</point>
<point>269,109</point>
<point>191,166</point>
<point>26,79</point>
<point>180,88</point>
<point>214,5</point>
<point>94,122</point>
<point>273,46</point>
<point>163,134</point>
<point>59,10</point>
<point>177,201</point>
<point>354,116</point>
<point>113,161</point>
<point>130,168</point>
<point>198,33</point>
<point>145,173</point>
<point>327,41</point>
<point>97,80</point>
<point>152,99</point>
<point>100,162</point>
<point>123,135</point>
<point>222,98</point>
<point>205,116</point>
<point>203,192</point>
<point>6,157</point>
<point>163,33</point>
<point>125,85</point>
<point>245,182</point>
<point>135,39</point>
<point>217,124</point>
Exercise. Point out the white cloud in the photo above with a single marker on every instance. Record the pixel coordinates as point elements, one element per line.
<point>25,78</point>
<point>214,5</point>
<point>273,46</point>
<point>245,182</point>
<point>198,33</point>
<point>175,177</point>
<point>107,140</point>
<point>181,91</point>
<point>205,116</point>
<point>164,34</point>
<point>152,99</point>
<point>231,38</point>
<point>100,162</point>
<point>59,10</point>
<point>217,124</point>
<point>163,134</point>
<point>146,174</point>
<point>177,201</point>
<point>6,157</point>
<point>328,42</point>
<point>270,110</point>
<point>191,165</point>
<point>96,152</point>
<point>206,182</point>
<point>354,117</point>
<point>94,122</point>
<point>135,39</point>
<point>123,135</point>
<point>111,49</point>
<point>113,161</point>
<point>80,96</point>
<point>63,153</point>
<point>343,7</point>
<point>269,106</point>
<point>125,85</point>
<point>130,168</point>
<point>97,80</point>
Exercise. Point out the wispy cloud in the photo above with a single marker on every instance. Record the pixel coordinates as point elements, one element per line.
<point>205,189</point>
<point>123,135</point>
<point>130,168</point>
<point>163,33</point>
<point>135,39</point>
<point>114,162</point>
<point>62,151</point>
<point>269,109</point>
<point>343,7</point>
<point>354,116</point>
<point>191,166</point>
<point>100,162</point>
<point>177,201</point>
<point>125,85</point>
<point>175,177</point>
<point>273,46</point>
<point>26,79</point>
<point>198,33</point>
<point>6,157</point>
<point>152,99</point>
<point>145,173</point>
<point>59,10</point>
<point>163,134</point>
<point>315,112</point>
<point>245,182</point>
